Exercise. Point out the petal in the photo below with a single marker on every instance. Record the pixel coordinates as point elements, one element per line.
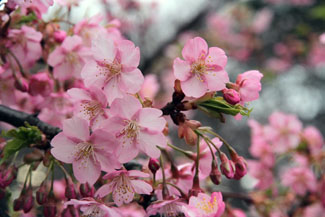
<point>63,148</point>
<point>71,42</point>
<point>61,71</point>
<point>141,187</point>
<point>126,152</point>
<point>194,49</point>
<point>103,48</point>
<point>216,80</point>
<point>194,87</point>
<point>55,57</point>
<point>112,90</point>
<point>125,107</point>
<point>123,193</point>
<point>151,118</point>
<point>91,76</point>
<point>86,170</point>
<point>76,128</point>
<point>103,140</point>
<point>137,173</point>
<point>131,81</point>
<point>148,143</point>
<point>105,190</point>
<point>78,94</point>
<point>182,69</point>
<point>217,57</point>
<point>130,55</point>
<point>108,162</point>
<point>113,124</point>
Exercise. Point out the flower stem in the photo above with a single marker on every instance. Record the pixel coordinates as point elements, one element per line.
<point>164,189</point>
<point>186,153</point>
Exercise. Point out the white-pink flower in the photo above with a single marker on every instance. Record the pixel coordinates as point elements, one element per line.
<point>171,207</point>
<point>206,206</point>
<point>135,128</point>
<point>68,59</point>
<point>93,208</point>
<point>123,185</point>
<point>89,154</point>
<point>203,68</point>
<point>249,84</point>
<point>90,104</point>
<point>113,67</point>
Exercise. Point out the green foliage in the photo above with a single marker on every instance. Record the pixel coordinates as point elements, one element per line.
<point>19,138</point>
<point>318,12</point>
<point>218,106</point>
<point>27,19</point>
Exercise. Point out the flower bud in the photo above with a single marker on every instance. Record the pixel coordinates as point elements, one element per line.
<point>40,84</point>
<point>187,133</point>
<point>49,210</point>
<point>153,165</point>
<point>59,36</point>
<point>231,96</point>
<point>227,166</point>
<point>41,194</point>
<point>19,203</point>
<point>70,192</point>
<point>70,211</point>
<point>241,168</point>
<point>215,174</point>
<point>21,84</point>
<point>28,200</point>
<point>86,190</point>
<point>8,176</point>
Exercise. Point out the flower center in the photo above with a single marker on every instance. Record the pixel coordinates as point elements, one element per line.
<point>72,57</point>
<point>207,206</point>
<point>199,69</point>
<point>93,211</point>
<point>109,70</point>
<point>91,109</point>
<point>84,151</point>
<point>130,131</point>
<point>171,210</point>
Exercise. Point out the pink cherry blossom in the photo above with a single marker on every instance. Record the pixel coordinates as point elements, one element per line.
<point>68,3</point>
<point>7,93</point>
<point>284,131</point>
<point>135,128</point>
<point>93,208</point>
<point>39,7</point>
<point>68,59</point>
<point>113,67</point>
<point>25,44</point>
<point>90,104</point>
<point>123,185</point>
<point>300,180</point>
<point>249,85</point>
<point>206,206</point>
<point>89,154</point>
<point>262,173</point>
<point>132,210</point>
<point>40,84</point>
<point>150,87</point>
<point>314,139</point>
<point>202,70</point>
<point>314,210</point>
<point>171,207</point>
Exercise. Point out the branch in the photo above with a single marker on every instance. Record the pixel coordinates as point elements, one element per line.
<point>18,119</point>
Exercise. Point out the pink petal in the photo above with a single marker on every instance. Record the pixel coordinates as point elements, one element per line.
<point>91,75</point>
<point>112,90</point>
<point>137,173</point>
<point>217,57</point>
<point>105,190</point>
<point>194,87</point>
<point>104,141</point>
<point>78,94</point>
<point>71,42</point>
<point>122,194</point>
<point>60,71</point>
<point>148,143</point>
<point>216,80</point>
<point>103,48</point>
<point>113,125</point>
<point>182,70</point>
<point>126,152</point>
<point>141,187</point>
<point>108,162</point>
<point>55,57</point>
<point>131,81</point>
<point>86,170</point>
<point>76,128</point>
<point>195,49</point>
<point>152,119</point>
<point>125,107</point>
<point>130,55</point>
<point>63,148</point>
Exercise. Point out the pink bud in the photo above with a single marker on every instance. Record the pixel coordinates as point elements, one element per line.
<point>8,176</point>
<point>49,210</point>
<point>70,192</point>
<point>86,190</point>
<point>40,84</point>
<point>21,84</point>
<point>59,36</point>
<point>41,194</point>
<point>215,174</point>
<point>231,96</point>
<point>227,166</point>
<point>70,211</point>
<point>28,200</point>
<point>241,168</point>
<point>153,165</point>
<point>19,203</point>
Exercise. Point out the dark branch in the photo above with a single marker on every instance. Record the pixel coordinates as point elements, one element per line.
<point>18,119</point>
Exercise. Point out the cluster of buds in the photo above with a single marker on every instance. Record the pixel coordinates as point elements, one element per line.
<point>235,168</point>
<point>25,201</point>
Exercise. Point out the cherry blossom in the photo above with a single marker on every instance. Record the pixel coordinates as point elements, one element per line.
<point>202,70</point>
<point>135,129</point>
<point>89,154</point>
<point>69,57</point>
<point>113,67</point>
<point>249,84</point>
<point>171,207</point>
<point>123,185</point>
